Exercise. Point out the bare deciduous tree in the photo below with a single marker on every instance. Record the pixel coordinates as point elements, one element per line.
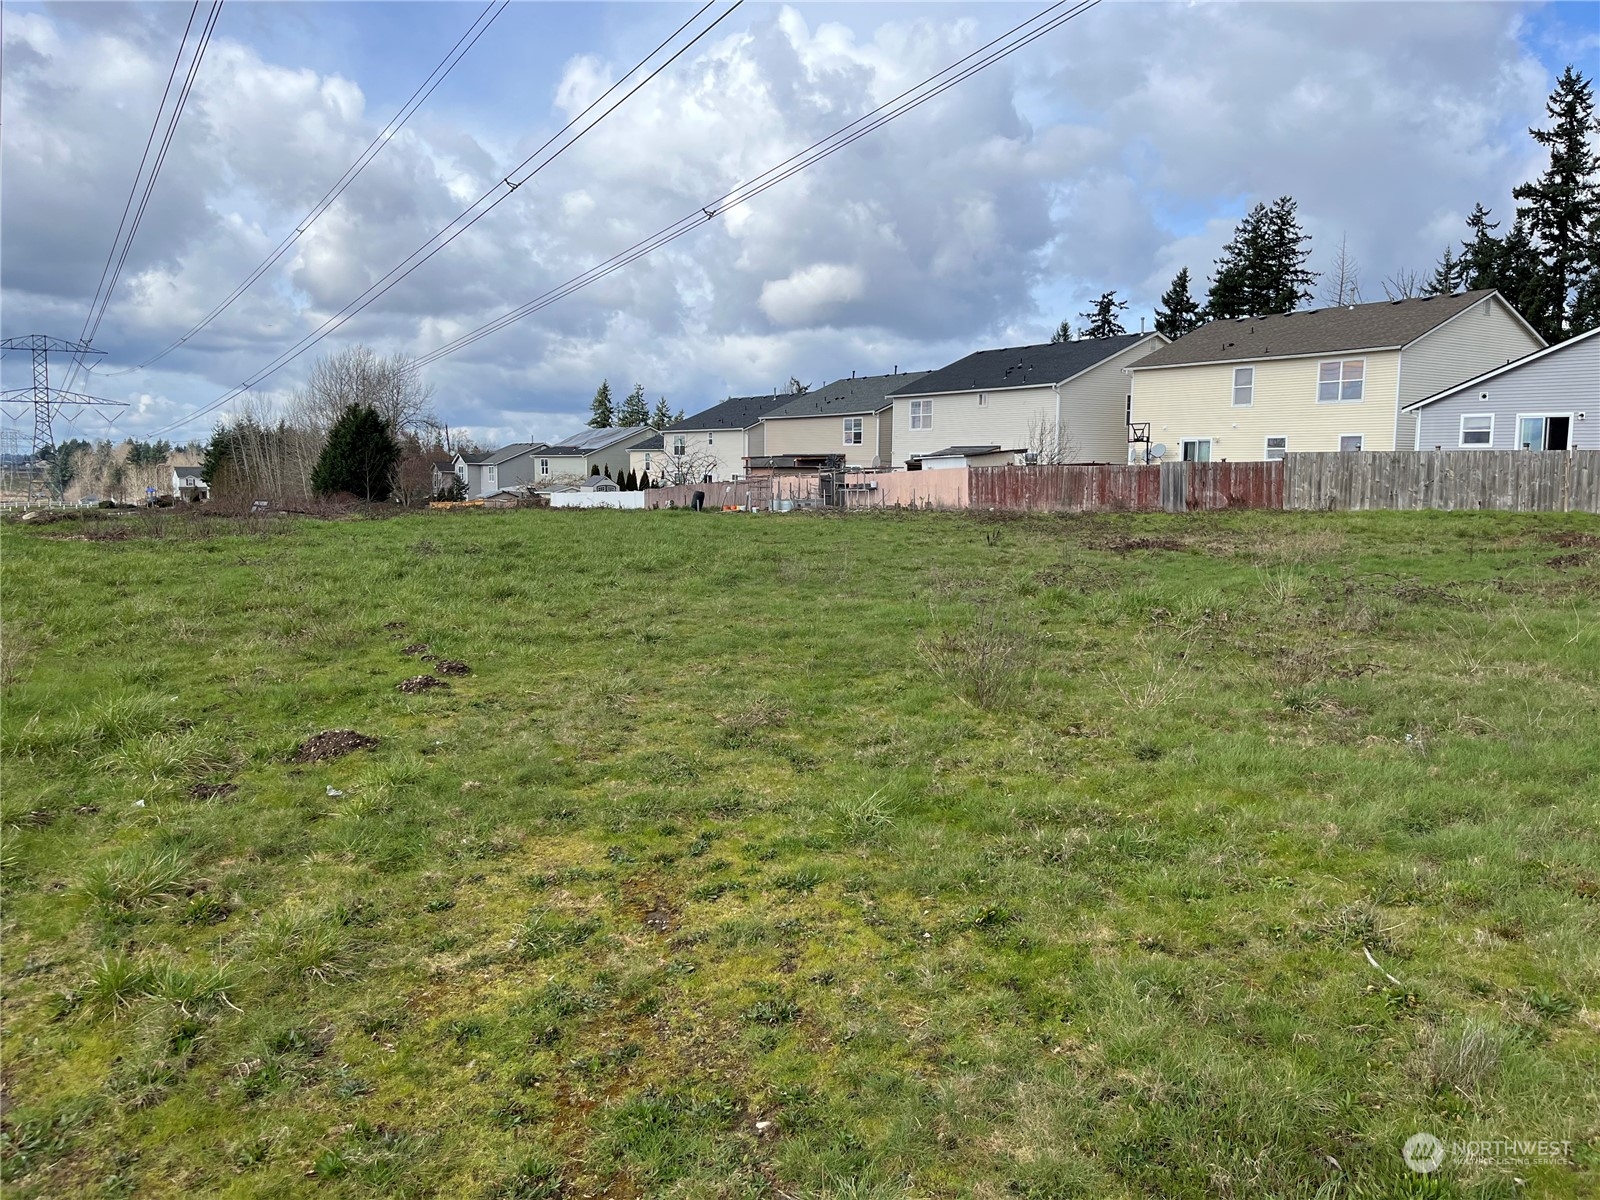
<point>1341,282</point>
<point>692,466</point>
<point>1050,441</point>
<point>1405,285</point>
<point>393,386</point>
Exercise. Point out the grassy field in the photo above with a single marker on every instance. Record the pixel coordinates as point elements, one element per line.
<point>881,856</point>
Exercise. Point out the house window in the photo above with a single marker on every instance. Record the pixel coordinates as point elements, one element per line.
<point>491,479</point>
<point>1277,447</point>
<point>853,431</point>
<point>711,439</point>
<point>544,466</point>
<point>1338,381</point>
<point>1477,429</point>
<point>983,401</point>
<point>922,414</point>
<point>1244,386</point>
<point>678,446</point>
<point>1544,431</point>
<point>1197,450</point>
<point>1349,443</point>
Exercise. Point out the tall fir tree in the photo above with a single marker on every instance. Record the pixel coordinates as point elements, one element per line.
<point>1179,312</point>
<point>1560,211</point>
<point>660,415</point>
<point>1479,264</point>
<point>601,413</point>
<point>1063,333</point>
<point>634,410</point>
<point>633,481</point>
<point>1263,268</point>
<point>1102,318</point>
<point>359,457</point>
<point>1446,276</point>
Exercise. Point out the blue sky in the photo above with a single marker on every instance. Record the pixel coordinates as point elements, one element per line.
<point>1105,156</point>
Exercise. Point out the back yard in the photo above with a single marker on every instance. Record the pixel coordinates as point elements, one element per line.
<point>916,856</point>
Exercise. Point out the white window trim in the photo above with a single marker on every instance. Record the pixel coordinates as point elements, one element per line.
<point>680,445</point>
<point>1250,403</point>
<point>921,412</point>
<point>1341,361</point>
<point>544,466</point>
<point>860,431</point>
<point>1360,437</point>
<point>711,439</point>
<point>1266,450</point>
<point>983,400</point>
<point>1461,432</point>
<point>1211,444</point>
<point>1516,441</point>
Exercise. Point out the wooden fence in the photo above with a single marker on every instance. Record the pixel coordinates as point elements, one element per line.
<point>1504,480</point>
<point>1163,487</point>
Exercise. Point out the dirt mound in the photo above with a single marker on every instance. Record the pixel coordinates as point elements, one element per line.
<point>415,648</point>
<point>332,743</point>
<point>451,666</point>
<point>213,791</point>
<point>420,683</point>
<point>1562,561</point>
<point>394,626</point>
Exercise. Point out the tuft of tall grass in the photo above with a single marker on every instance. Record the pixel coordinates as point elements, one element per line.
<point>135,880</point>
<point>991,662</point>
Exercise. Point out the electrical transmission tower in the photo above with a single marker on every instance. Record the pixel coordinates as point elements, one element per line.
<point>47,401</point>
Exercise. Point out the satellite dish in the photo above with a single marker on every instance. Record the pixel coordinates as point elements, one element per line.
<point>1158,451</point>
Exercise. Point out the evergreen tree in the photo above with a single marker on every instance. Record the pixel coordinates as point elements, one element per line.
<point>608,470</point>
<point>1586,305</point>
<point>634,410</point>
<point>644,481</point>
<point>661,415</point>
<point>1561,209</point>
<point>1262,270</point>
<point>633,481</point>
<point>1102,318</point>
<point>359,457</point>
<point>1179,312</point>
<point>1521,276</point>
<point>1446,276</point>
<point>601,413</point>
<point>1479,264</point>
<point>1063,333</point>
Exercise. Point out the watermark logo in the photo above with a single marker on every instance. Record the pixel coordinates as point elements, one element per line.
<point>1423,1153</point>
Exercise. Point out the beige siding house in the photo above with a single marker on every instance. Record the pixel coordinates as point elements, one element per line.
<point>1061,402</point>
<point>848,417</point>
<point>712,446</point>
<point>1330,379</point>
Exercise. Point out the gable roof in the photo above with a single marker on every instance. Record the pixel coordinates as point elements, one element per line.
<point>505,454</point>
<point>194,472</point>
<point>961,451</point>
<point>1385,325</point>
<point>847,397</point>
<point>1022,366</point>
<point>477,458</point>
<point>736,412</point>
<point>656,442</point>
<point>589,440</point>
<point>1467,384</point>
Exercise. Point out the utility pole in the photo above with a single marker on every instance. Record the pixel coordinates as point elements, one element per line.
<point>47,401</point>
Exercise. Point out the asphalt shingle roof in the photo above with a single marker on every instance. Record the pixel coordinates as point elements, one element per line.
<point>507,453</point>
<point>845,397</point>
<point>737,412</point>
<point>961,451</point>
<point>1020,366</point>
<point>1378,326</point>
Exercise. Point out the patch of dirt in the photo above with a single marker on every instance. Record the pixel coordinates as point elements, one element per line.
<point>451,666</point>
<point>420,683</point>
<point>213,791</point>
<point>1572,540</point>
<point>1562,562</point>
<point>1122,545</point>
<point>116,533</point>
<point>414,648</point>
<point>331,743</point>
<point>394,627</point>
<point>659,915</point>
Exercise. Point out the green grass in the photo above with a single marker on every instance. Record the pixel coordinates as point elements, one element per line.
<point>883,856</point>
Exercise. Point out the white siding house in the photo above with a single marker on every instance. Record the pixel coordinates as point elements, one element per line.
<point>1547,400</point>
<point>1063,401</point>
<point>712,445</point>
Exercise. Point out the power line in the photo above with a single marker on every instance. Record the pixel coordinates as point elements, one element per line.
<point>425,89</point>
<point>469,217</point>
<point>868,122</point>
<point>92,326</point>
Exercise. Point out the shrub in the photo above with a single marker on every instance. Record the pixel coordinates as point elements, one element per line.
<point>989,662</point>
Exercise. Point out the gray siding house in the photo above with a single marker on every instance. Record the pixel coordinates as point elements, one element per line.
<point>1547,400</point>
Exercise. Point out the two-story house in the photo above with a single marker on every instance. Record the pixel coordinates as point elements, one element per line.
<point>711,446</point>
<point>1059,402</point>
<point>1257,388</point>
<point>850,418</point>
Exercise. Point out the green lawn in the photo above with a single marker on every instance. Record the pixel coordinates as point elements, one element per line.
<point>881,856</point>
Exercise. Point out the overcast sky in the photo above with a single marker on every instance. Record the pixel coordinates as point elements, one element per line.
<point>1106,155</point>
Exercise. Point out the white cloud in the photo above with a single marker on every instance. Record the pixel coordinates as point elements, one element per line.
<point>811,294</point>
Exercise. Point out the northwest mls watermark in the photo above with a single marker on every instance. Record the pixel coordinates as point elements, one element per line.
<point>1425,1153</point>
